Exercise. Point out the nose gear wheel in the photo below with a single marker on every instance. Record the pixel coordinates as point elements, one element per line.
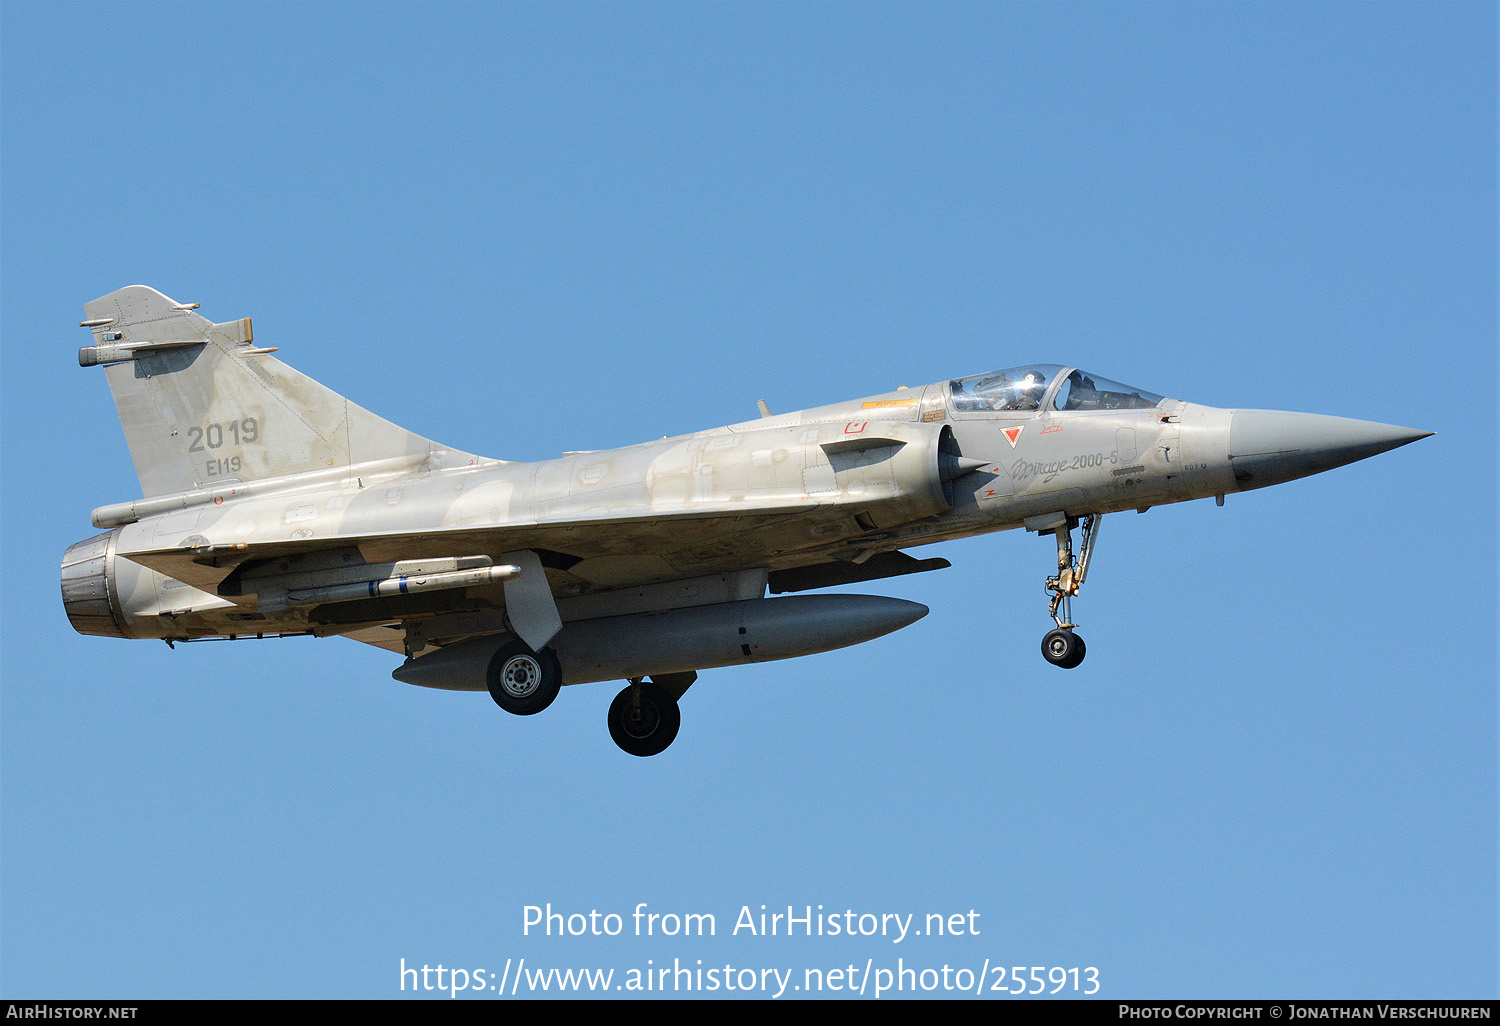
<point>1062,647</point>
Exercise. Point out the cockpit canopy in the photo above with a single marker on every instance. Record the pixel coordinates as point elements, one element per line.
<point>1027,388</point>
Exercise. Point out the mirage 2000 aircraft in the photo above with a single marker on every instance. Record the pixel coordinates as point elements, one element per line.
<point>273,506</point>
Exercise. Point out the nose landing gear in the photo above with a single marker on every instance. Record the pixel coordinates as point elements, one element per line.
<point>1062,647</point>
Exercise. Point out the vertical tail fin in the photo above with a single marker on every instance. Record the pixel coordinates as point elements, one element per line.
<point>203,407</point>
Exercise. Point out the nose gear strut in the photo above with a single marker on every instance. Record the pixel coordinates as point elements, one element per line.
<point>1062,647</point>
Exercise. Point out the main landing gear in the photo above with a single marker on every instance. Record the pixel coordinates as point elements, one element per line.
<point>643,718</point>
<point>522,681</point>
<point>1061,647</point>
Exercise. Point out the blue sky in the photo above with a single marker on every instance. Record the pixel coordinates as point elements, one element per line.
<point>524,229</point>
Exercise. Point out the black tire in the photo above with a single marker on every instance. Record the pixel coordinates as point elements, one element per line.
<point>1078,657</point>
<point>1063,648</point>
<point>648,729</point>
<point>521,681</point>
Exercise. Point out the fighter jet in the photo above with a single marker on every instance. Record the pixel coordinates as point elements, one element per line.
<point>272,506</point>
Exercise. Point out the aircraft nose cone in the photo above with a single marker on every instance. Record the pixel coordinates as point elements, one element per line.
<point>1268,447</point>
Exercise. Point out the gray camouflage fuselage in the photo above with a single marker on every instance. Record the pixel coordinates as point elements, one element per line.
<point>271,501</point>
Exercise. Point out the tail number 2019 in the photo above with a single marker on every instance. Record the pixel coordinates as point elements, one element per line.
<point>239,432</point>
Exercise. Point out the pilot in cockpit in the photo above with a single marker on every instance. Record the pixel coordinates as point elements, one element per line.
<point>1029,392</point>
